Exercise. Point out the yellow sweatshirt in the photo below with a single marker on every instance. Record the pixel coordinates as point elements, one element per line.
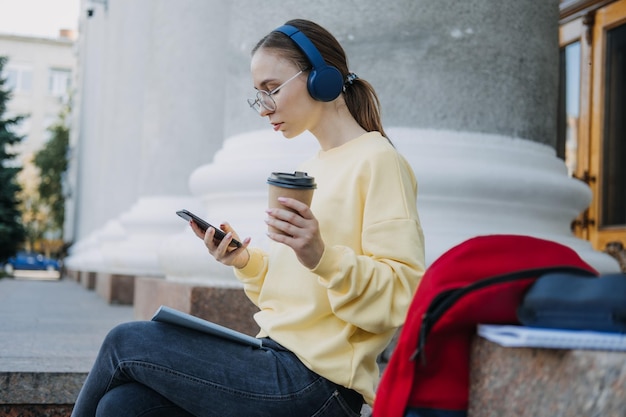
<point>338,317</point>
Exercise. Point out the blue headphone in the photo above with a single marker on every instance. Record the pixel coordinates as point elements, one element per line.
<point>325,82</point>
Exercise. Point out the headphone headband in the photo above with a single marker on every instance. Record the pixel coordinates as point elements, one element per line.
<point>305,45</point>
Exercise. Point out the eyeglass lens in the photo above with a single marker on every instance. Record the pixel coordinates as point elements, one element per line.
<point>264,98</point>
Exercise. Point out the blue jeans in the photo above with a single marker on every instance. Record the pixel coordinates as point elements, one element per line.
<point>152,369</point>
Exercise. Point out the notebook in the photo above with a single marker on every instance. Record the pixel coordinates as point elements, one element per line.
<point>169,315</point>
<point>522,336</point>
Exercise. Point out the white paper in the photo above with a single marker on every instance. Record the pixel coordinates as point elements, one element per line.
<point>521,336</point>
<point>172,316</point>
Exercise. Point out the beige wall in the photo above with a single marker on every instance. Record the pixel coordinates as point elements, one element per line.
<point>39,55</point>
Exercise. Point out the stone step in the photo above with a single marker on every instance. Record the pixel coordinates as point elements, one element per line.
<point>520,382</point>
<point>50,333</point>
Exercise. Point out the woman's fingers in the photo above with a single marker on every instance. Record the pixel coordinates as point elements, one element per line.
<point>300,230</point>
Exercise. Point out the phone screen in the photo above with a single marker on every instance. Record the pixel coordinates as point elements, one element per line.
<point>204,225</point>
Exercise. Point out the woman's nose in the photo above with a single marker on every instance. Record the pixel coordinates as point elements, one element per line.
<point>265,112</point>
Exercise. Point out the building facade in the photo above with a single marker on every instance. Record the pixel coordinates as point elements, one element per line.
<point>39,71</point>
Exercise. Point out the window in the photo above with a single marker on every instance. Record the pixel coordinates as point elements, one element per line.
<point>614,148</point>
<point>592,112</point>
<point>19,78</point>
<point>569,106</point>
<point>59,82</point>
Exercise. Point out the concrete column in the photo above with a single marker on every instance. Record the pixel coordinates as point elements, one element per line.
<point>158,116</point>
<point>113,51</point>
<point>151,101</point>
<point>183,102</point>
<point>472,89</point>
<point>181,125</point>
<point>473,66</point>
<point>113,55</point>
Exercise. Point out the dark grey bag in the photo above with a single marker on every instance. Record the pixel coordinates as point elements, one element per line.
<point>574,302</point>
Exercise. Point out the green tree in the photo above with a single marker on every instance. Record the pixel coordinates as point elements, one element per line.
<point>52,163</point>
<point>11,229</point>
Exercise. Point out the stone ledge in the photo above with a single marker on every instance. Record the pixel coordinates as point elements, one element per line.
<point>227,306</point>
<point>36,410</point>
<point>60,388</point>
<point>533,382</point>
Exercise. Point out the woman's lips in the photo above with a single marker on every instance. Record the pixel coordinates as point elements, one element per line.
<point>277,126</point>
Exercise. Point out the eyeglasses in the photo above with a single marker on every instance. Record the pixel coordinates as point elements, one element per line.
<point>264,99</point>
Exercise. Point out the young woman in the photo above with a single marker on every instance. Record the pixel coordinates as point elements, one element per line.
<point>331,291</point>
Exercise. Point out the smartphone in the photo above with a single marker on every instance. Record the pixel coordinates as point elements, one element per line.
<point>204,225</point>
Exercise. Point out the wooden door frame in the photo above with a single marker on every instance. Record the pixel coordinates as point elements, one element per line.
<point>606,18</point>
<point>580,30</point>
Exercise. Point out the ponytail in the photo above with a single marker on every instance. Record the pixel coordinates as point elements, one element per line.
<point>363,104</point>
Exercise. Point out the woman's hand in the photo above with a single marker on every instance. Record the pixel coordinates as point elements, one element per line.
<point>302,233</point>
<point>221,251</point>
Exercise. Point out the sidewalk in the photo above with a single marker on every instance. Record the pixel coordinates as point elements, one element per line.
<point>53,325</point>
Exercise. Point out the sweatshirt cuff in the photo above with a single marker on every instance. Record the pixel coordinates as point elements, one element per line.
<point>329,264</point>
<point>253,267</point>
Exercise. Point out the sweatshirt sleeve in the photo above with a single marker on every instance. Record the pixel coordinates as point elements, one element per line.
<point>374,289</point>
<point>253,274</point>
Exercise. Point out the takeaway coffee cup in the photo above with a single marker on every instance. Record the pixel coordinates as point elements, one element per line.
<point>297,185</point>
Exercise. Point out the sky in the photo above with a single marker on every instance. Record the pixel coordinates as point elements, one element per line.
<point>42,18</point>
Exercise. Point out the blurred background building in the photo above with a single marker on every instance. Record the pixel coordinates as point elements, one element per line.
<point>39,72</point>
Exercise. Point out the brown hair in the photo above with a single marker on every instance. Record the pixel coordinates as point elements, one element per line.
<point>359,95</point>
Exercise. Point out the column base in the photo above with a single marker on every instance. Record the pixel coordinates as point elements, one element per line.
<point>72,274</point>
<point>227,306</point>
<point>115,288</point>
<point>87,279</point>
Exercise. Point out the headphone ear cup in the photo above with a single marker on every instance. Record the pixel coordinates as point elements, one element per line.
<point>325,84</point>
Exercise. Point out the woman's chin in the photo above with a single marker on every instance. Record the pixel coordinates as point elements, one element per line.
<point>290,133</point>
